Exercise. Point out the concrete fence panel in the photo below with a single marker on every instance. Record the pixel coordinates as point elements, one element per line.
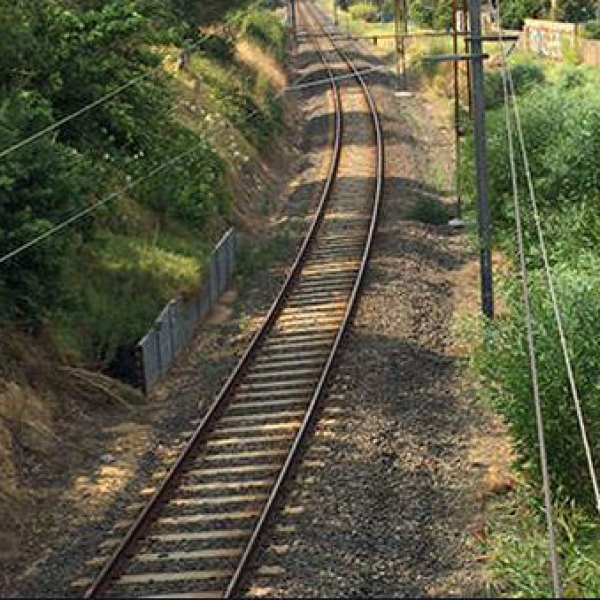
<point>149,359</point>
<point>590,52</point>
<point>174,327</point>
<point>163,329</point>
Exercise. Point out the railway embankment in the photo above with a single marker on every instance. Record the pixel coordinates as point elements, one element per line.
<point>70,433</point>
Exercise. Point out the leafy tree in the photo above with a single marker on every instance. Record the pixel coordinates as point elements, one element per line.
<point>435,14</point>
<point>514,12</point>
<point>576,11</point>
<point>39,186</point>
<point>58,56</point>
<point>205,12</point>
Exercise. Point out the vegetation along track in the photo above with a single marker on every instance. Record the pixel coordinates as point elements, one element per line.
<point>195,535</point>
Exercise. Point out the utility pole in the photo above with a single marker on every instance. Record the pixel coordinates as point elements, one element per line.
<point>481,164</point>
<point>402,46</point>
<point>293,17</point>
<point>476,56</point>
<point>457,121</point>
<point>397,42</point>
<point>399,37</point>
<point>465,28</point>
<point>335,12</point>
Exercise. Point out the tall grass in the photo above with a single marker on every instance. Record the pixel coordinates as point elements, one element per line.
<point>561,124</point>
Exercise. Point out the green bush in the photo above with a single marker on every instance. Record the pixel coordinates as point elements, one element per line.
<point>524,75</point>
<point>264,27</point>
<point>249,104</point>
<point>562,133</point>
<point>576,11</point>
<point>592,30</point>
<point>514,12</point>
<point>572,76</point>
<point>193,189</point>
<point>431,211</point>
<point>364,11</point>
<point>217,46</point>
<point>40,186</point>
<point>504,366</point>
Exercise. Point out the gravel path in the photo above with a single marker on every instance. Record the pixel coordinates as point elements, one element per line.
<point>392,509</point>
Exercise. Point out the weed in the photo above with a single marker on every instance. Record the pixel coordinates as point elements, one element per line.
<point>255,256</point>
<point>524,76</point>
<point>264,27</point>
<point>364,11</point>
<point>429,210</point>
<point>99,318</point>
<point>517,539</point>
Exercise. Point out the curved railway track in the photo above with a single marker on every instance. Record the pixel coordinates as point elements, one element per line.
<point>195,536</point>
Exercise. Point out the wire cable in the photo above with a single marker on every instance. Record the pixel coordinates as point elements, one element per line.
<point>554,297</point>
<point>555,568</point>
<point>86,211</point>
<point>90,209</point>
<point>102,100</point>
<point>74,115</point>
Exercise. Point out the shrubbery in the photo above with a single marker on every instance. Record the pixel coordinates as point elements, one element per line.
<point>503,363</point>
<point>217,46</point>
<point>364,11</point>
<point>264,27</point>
<point>592,30</point>
<point>524,76</point>
<point>562,132</point>
<point>561,125</point>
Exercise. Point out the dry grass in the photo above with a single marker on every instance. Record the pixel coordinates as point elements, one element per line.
<point>256,59</point>
<point>25,424</point>
<point>35,386</point>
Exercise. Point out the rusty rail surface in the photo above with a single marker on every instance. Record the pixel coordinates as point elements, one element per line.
<point>244,435</point>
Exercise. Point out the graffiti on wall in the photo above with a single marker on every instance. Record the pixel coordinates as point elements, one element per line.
<point>549,39</point>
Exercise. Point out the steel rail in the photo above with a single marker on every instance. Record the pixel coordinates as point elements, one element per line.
<point>310,413</point>
<point>160,497</point>
<point>168,485</point>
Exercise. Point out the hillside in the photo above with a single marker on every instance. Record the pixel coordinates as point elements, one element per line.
<point>185,149</point>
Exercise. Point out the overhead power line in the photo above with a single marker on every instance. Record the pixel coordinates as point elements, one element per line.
<point>539,418</point>
<point>77,113</point>
<point>102,100</point>
<point>90,209</point>
<point>554,298</point>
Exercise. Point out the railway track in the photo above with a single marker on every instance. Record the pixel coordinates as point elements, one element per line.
<point>196,534</point>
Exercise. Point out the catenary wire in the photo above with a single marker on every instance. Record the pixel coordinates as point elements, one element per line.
<point>98,102</point>
<point>555,568</point>
<point>553,295</point>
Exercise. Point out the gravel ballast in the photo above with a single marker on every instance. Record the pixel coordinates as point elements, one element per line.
<point>387,498</point>
<point>396,504</point>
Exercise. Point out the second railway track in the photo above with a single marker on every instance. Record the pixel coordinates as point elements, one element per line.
<point>195,536</point>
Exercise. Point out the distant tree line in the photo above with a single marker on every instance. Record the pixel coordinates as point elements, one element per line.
<point>438,13</point>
